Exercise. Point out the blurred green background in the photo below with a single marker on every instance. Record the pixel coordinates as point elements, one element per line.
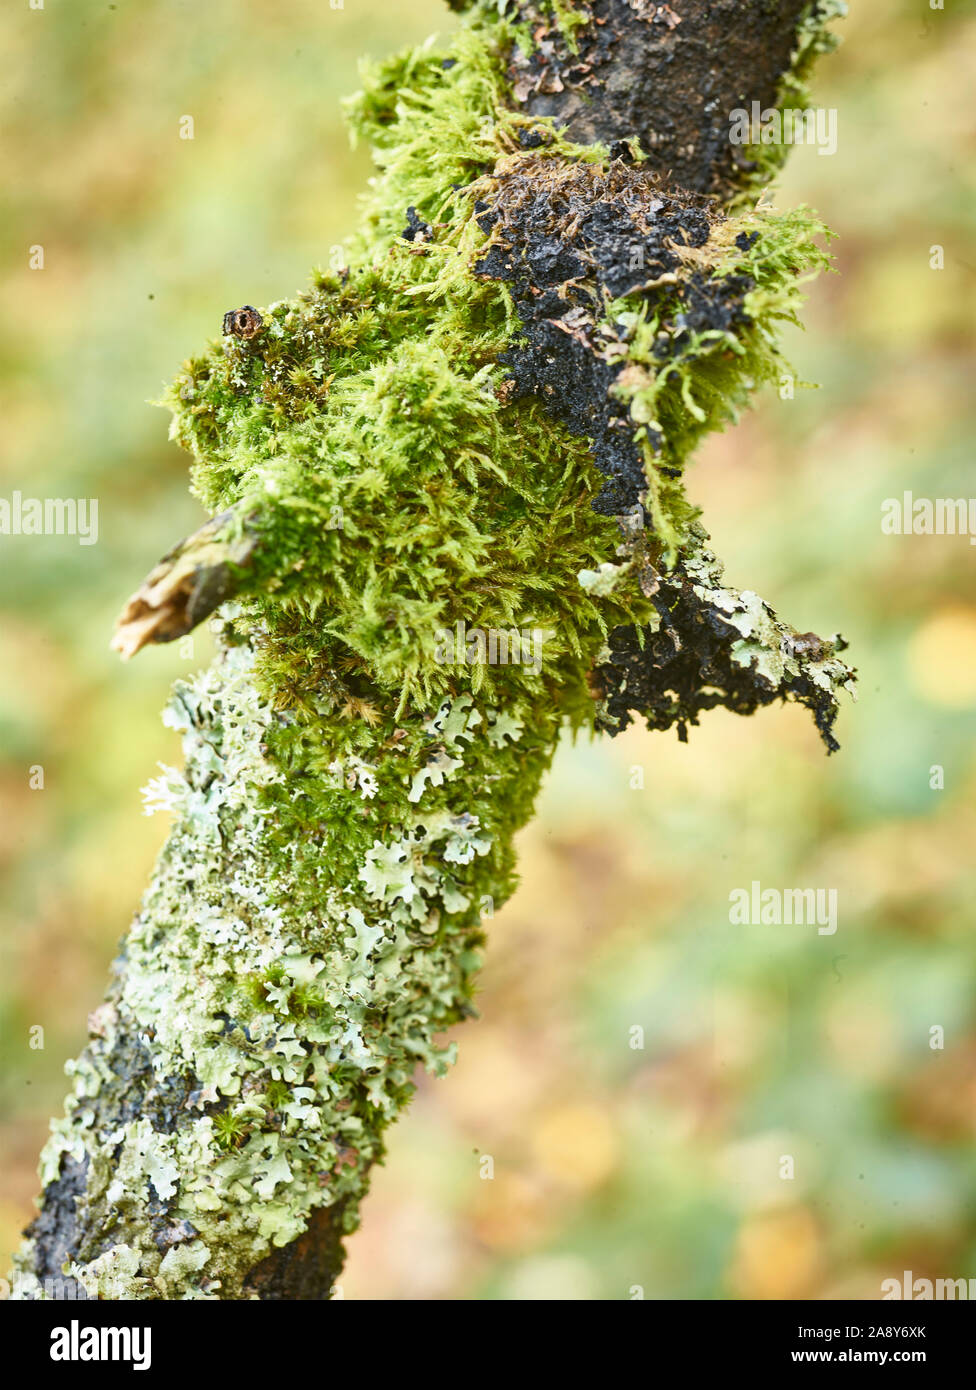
<point>614,1166</point>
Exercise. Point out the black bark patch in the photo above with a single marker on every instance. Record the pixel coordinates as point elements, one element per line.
<point>686,666</point>
<point>712,304</point>
<point>568,238</point>
<point>669,74</point>
<point>306,1268</point>
<point>416,229</point>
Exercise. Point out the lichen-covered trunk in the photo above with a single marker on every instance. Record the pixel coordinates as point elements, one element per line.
<point>449,520</point>
<point>276,991</point>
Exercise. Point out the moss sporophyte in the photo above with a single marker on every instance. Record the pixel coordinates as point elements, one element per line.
<point>498,396</point>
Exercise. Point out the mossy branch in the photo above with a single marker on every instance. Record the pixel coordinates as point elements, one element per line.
<point>449,521</point>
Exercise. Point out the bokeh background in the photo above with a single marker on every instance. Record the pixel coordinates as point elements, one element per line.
<point>615,1167</point>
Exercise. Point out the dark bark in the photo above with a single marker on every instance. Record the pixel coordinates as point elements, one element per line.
<point>307,1268</point>
<point>668,74</point>
<point>58,1230</point>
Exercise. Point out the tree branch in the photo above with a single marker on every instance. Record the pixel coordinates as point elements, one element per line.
<point>498,397</point>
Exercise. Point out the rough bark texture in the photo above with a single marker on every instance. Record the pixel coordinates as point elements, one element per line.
<point>346,814</point>
<point>307,1268</point>
<point>667,74</point>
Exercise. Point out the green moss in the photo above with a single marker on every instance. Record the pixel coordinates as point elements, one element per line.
<point>229,1129</point>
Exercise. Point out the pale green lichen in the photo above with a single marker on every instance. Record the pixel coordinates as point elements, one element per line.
<point>294,978</point>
